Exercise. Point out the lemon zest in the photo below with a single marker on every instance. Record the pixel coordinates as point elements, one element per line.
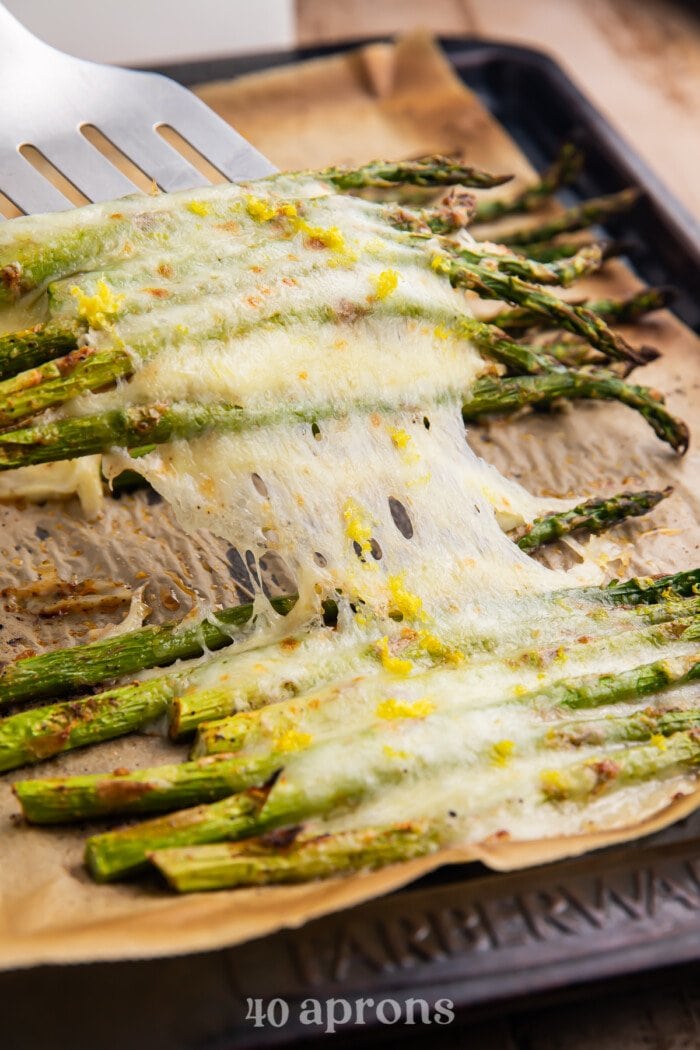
<point>198,208</point>
<point>392,663</point>
<point>356,526</point>
<point>501,752</point>
<point>99,308</point>
<point>384,283</point>
<point>292,740</point>
<point>403,601</point>
<point>392,708</point>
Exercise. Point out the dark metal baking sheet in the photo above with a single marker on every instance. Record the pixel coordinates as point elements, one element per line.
<point>481,939</point>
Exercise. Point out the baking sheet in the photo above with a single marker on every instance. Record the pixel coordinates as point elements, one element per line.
<point>401,100</point>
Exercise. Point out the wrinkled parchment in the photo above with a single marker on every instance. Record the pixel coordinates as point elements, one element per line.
<point>393,101</point>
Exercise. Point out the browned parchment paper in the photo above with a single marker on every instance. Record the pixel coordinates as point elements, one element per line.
<point>384,100</point>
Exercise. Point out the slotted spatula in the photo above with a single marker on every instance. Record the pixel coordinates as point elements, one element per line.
<point>50,96</point>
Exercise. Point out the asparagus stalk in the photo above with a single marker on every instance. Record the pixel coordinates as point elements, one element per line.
<point>275,859</point>
<point>594,515</point>
<point>296,797</point>
<point>593,690</point>
<point>582,781</point>
<point>490,396</point>
<point>55,382</point>
<point>555,251</point>
<point>616,729</point>
<point>117,853</point>
<point>427,171</point>
<point>562,172</point>
<point>162,788</point>
<point>65,671</point>
<point>564,272</point>
<point>613,311</point>
<point>577,319</point>
<point>317,712</point>
<point>146,425</point>
<point>42,732</point>
<point>596,210</point>
<point>34,346</point>
<point>646,591</point>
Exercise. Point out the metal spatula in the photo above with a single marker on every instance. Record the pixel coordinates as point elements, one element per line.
<point>50,96</point>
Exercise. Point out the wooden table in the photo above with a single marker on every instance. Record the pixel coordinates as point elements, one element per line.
<point>639,62</point>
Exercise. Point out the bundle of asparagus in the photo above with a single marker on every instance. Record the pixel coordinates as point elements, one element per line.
<point>384,727</point>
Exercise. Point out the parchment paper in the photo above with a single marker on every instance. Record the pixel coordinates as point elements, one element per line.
<point>393,101</point>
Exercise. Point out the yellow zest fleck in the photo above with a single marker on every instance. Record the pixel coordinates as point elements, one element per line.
<point>520,690</point>
<point>99,308</point>
<point>440,332</point>
<point>399,438</point>
<point>259,209</point>
<point>198,208</point>
<point>391,708</point>
<point>392,663</point>
<point>403,601</point>
<point>436,648</point>
<point>392,752</point>
<point>553,784</point>
<point>384,283</point>
<point>660,741</point>
<point>501,752</point>
<point>440,264</point>
<point>330,238</point>
<point>303,375</point>
<point>356,526</point>
<point>292,740</point>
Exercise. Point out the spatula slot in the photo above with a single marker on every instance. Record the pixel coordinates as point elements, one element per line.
<point>112,153</point>
<point>51,173</point>
<point>188,151</point>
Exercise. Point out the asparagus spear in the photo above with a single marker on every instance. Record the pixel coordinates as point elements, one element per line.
<point>582,781</point>
<point>427,171</point>
<point>275,859</point>
<point>564,272</point>
<point>117,853</point>
<point>555,251</point>
<point>319,711</point>
<point>142,426</point>
<point>646,591</point>
<point>297,797</point>
<point>577,319</point>
<point>42,732</point>
<point>30,348</point>
<point>613,311</point>
<point>596,210</point>
<point>162,788</point>
<point>562,172</point>
<point>489,396</point>
<point>595,515</point>
<point>57,381</point>
<point>67,670</point>
<point>622,729</point>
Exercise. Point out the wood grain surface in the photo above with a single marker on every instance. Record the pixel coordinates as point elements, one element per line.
<point>637,60</point>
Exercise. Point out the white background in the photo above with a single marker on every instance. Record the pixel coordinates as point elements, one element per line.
<point>147,31</point>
